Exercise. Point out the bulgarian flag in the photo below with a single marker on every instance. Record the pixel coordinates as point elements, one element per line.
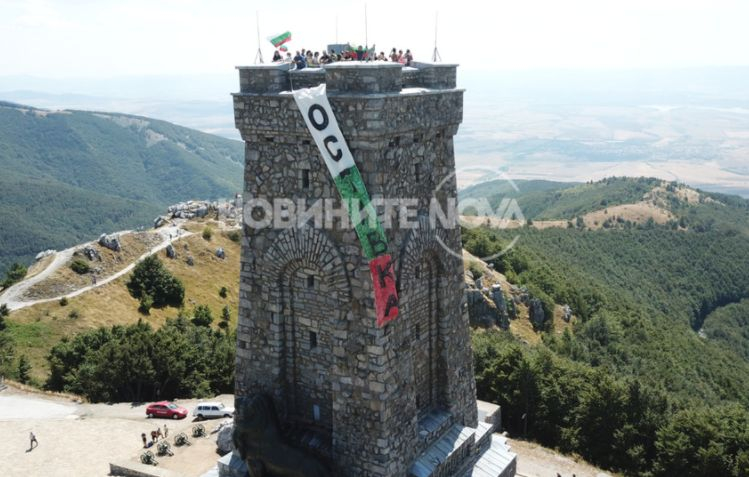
<point>279,40</point>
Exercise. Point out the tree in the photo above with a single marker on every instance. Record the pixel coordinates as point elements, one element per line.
<point>202,316</point>
<point>15,274</point>
<point>24,369</point>
<point>150,277</point>
<point>136,363</point>
<point>4,312</point>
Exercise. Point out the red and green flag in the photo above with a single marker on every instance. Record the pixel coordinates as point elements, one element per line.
<point>279,40</point>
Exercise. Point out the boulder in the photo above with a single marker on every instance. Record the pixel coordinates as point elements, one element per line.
<point>160,221</point>
<point>567,313</point>
<point>190,261</point>
<point>223,438</point>
<point>170,252</point>
<point>112,242</point>
<point>220,253</point>
<point>91,253</point>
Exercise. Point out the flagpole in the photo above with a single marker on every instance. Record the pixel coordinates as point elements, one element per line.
<point>259,54</point>
<point>336,29</point>
<point>436,55</point>
<point>366,38</point>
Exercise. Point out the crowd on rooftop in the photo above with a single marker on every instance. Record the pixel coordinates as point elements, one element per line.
<point>306,58</point>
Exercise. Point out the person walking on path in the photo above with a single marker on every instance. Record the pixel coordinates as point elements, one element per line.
<point>34,442</point>
<point>166,432</point>
<point>145,441</point>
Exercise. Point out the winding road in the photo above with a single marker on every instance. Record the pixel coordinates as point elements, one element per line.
<point>12,297</point>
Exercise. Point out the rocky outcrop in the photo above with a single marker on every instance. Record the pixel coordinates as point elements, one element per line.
<point>503,318</point>
<point>200,208</point>
<point>112,242</point>
<point>536,313</point>
<point>91,253</point>
<point>44,254</point>
<point>160,221</point>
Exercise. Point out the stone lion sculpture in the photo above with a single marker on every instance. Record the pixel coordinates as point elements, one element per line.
<point>257,438</point>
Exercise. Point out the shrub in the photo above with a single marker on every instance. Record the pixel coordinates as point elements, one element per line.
<point>234,235</point>
<point>146,302</point>
<point>74,314</point>
<point>225,318</point>
<point>476,270</point>
<point>64,301</point>
<point>80,267</point>
<point>202,316</point>
<point>207,233</point>
<point>150,277</point>
<point>223,292</point>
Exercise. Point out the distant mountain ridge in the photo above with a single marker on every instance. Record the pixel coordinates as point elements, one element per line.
<point>618,202</point>
<point>70,175</point>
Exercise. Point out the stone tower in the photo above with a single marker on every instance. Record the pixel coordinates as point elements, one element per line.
<point>368,400</point>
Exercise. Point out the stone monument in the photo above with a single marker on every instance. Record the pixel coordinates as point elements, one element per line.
<point>363,397</point>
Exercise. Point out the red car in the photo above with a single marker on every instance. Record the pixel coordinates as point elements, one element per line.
<point>166,409</point>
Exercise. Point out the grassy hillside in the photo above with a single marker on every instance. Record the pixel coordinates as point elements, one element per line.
<point>38,328</point>
<point>71,175</point>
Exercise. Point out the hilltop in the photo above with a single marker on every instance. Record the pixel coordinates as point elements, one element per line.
<point>616,202</point>
<point>68,176</point>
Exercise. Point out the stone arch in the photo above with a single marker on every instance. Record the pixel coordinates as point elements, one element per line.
<point>309,292</point>
<point>422,282</point>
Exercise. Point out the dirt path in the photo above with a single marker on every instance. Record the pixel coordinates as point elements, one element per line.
<point>12,296</point>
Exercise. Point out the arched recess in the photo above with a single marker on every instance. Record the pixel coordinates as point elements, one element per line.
<point>421,279</point>
<point>310,293</point>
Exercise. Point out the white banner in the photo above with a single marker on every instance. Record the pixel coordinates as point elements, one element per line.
<point>315,108</point>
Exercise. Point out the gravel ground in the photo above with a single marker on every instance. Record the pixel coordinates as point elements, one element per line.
<point>537,461</point>
<point>82,439</point>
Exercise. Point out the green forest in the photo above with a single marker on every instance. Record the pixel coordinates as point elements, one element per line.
<point>135,363</point>
<point>653,378</point>
<point>70,176</point>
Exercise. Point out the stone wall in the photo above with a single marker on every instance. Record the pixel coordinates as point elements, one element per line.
<point>307,332</point>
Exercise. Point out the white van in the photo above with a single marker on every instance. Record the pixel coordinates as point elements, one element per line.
<point>206,410</point>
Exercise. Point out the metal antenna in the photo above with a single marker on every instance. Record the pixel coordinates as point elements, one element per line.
<point>259,54</point>
<point>366,39</point>
<point>336,29</point>
<point>436,56</point>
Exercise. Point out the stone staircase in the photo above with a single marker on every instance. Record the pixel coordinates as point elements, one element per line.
<point>465,451</point>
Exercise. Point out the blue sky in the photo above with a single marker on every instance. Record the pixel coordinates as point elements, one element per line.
<point>102,38</point>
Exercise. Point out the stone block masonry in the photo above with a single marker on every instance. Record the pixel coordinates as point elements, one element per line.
<point>307,334</point>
